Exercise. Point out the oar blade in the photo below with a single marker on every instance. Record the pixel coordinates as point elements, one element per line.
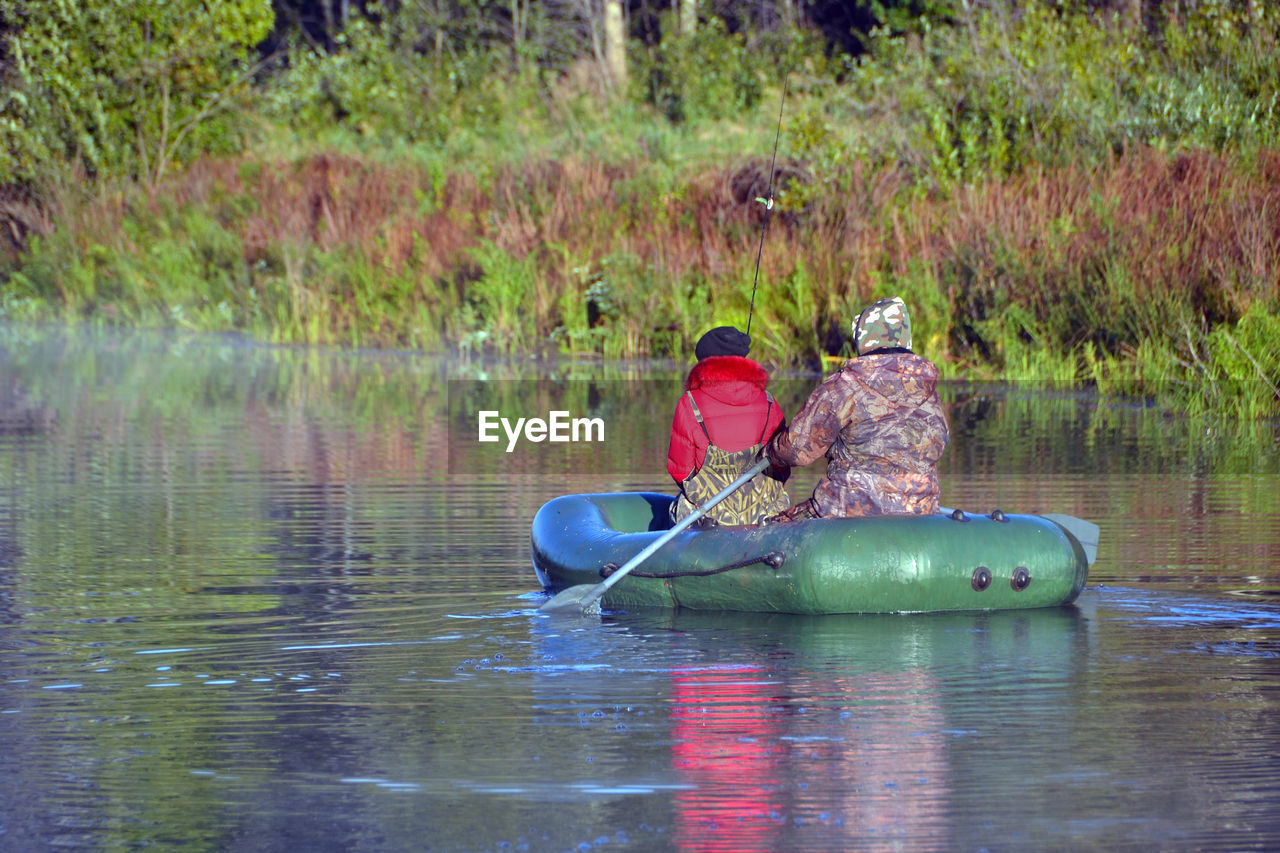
<point>582,600</point>
<point>585,599</point>
<point>1085,532</point>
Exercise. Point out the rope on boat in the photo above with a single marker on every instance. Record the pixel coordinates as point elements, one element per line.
<point>773,559</point>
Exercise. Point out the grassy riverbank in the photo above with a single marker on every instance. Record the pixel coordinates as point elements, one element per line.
<point>1055,197</point>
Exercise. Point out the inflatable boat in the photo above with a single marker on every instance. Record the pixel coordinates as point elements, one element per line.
<point>952,560</point>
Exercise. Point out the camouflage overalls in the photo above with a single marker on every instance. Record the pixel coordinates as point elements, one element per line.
<point>756,500</point>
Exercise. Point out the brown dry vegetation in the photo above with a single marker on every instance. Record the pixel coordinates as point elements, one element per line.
<point>1183,222</point>
<point>1144,245</point>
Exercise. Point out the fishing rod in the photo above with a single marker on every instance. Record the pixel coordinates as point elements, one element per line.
<point>768,203</point>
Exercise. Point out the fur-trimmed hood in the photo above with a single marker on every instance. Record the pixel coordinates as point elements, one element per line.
<point>731,379</point>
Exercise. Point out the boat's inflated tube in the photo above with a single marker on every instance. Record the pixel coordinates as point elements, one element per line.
<point>883,564</point>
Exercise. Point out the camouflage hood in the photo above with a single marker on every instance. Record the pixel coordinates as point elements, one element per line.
<point>882,325</point>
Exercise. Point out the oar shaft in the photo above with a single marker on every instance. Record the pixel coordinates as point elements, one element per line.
<point>683,523</point>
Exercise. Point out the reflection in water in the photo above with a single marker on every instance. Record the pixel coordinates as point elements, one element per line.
<point>817,733</point>
<point>258,598</point>
<point>892,776</point>
<point>726,725</point>
<point>845,733</point>
<point>758,772</point>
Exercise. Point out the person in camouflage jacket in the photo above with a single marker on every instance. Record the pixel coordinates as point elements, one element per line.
<point>879,422</point>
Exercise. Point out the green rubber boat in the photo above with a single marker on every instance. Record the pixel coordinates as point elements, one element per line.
<point>886,564</point>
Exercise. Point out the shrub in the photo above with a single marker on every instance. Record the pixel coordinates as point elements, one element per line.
<point>119,87</point>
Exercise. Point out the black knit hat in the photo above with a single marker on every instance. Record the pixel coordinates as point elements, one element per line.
<point>722,340</point>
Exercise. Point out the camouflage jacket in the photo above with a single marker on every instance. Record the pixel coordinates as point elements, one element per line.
<point>881,426</point>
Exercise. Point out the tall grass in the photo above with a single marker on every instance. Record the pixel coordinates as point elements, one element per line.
<point>1148,272</point>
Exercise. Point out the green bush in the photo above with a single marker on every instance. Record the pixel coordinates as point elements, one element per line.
<point>374,88</point>
<point>120,87</point>
<point>1003,87</point>
<point>709,74</point>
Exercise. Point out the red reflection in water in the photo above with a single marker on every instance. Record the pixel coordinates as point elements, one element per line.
<point>726,731</point>
<point>765,776</point>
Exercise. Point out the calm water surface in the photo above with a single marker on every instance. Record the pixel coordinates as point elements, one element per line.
<point>266,599</point>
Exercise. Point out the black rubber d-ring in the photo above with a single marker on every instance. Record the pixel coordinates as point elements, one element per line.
<point>1021,579</point>
<point>981,579</point>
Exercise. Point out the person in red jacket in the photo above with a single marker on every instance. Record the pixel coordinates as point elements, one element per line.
<point>721,424</point>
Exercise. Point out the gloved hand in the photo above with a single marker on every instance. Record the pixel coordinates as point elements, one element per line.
<point>777,469</point>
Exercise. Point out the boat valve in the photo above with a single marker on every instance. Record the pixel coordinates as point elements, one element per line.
<point>1021,579</point>
<point>997,515</point>
<point>981,578</point>
<point>958,515</point>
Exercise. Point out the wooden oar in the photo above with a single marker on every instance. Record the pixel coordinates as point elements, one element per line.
<point>585,598</point>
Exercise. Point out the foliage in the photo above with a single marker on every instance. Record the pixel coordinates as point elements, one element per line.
<point>1056,194</point>
<point>1118,276</point>
<point>1234,367</point>
<point>1003,87</point>
<point>116,87</point>
<point>379,88</point>
<point>707,74</point>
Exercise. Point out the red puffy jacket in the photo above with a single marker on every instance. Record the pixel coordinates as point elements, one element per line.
<point>730,392</point>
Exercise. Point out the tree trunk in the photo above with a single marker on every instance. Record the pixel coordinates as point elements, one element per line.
<point>788,14</point>
<point>688,17</point>
<point>519,21</point>
<point>1131,13</point>
<point>326,10</point>
<point>615,53</point>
